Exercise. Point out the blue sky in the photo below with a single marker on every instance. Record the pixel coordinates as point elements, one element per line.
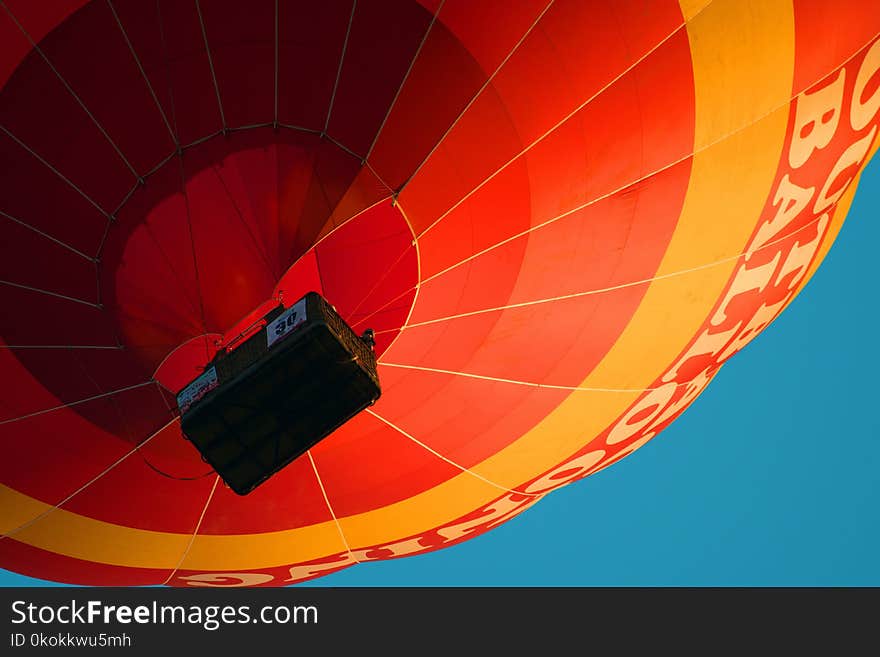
<point>771,477</point>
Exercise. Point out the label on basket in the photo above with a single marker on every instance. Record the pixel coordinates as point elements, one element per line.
<point>286,322</point>
<point>197,389</point>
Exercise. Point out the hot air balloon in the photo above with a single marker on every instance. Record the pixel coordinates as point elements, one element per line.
<point>559,217</point>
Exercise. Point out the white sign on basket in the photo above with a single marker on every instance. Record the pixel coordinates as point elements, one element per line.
<point>286,322</point>
<point>197,389</point>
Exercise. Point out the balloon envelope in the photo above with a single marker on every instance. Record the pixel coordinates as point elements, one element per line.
<point>559,218</point>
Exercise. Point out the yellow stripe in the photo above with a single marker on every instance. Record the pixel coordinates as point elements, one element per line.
<point>86,538</point>
<point>743,61</point>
